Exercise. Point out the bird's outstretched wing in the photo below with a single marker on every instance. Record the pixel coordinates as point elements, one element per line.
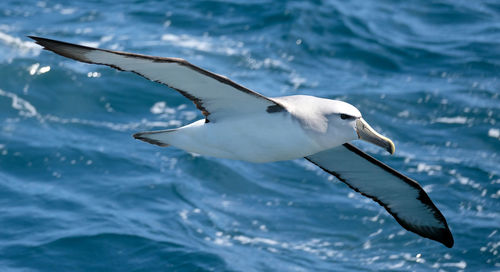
<point>216,96</point>
<point>400,195</point>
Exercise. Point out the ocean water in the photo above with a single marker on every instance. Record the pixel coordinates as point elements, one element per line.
<point>78,193</point>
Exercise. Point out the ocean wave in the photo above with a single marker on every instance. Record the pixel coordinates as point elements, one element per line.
<point>26,109</point>
<point>16,47</point>
<point>75,185</point>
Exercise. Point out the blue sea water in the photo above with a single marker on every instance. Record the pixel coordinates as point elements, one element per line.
<point>78,193</point>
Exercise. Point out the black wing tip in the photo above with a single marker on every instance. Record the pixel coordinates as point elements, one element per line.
<point>44,41</point>
<point>41,39</point>
<point>445,237</point>
<point>50,43</point>
<point>36,38</point>
<point>65,49</point>
<point>449,242</point>
<point>441,235</point>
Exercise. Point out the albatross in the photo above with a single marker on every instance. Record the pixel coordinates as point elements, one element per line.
<point>242,124</point>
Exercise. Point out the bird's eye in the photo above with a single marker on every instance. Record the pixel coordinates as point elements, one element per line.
<point>346,116</point>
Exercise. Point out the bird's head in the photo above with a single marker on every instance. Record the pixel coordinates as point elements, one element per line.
<point>349,118</point>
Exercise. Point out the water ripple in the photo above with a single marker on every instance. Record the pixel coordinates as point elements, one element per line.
<point>76,188</point>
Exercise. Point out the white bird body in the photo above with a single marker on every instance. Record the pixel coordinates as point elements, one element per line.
<point>263,137</point>
<point>245,125</point>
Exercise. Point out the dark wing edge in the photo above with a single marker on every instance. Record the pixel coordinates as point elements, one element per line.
<point>58,47</point>
<point>442,235</point>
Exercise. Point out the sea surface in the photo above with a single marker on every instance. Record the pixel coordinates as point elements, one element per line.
<point>78,193</point>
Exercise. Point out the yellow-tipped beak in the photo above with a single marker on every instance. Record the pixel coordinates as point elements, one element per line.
<point>367,133</point>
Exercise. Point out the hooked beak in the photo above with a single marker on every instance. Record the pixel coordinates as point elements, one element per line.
<point>367,133</point>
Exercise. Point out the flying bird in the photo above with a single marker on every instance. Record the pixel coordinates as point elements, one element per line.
<point>244,125</point>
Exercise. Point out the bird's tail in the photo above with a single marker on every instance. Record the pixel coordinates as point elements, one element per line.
<point>154,137</point>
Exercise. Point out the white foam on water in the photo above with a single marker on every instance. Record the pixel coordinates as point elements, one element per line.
<point>225,47</point>
<point>494,133</point>
<point>17,47</point>
<point>24,107</point>
<point>460,265</point>
<point>188,42</point>
<point>452,120</point>
<point>90,44</point>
